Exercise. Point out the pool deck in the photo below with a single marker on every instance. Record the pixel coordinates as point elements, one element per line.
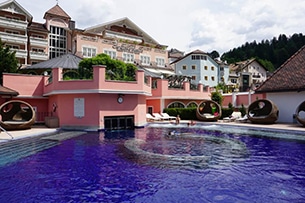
<point>42,130</point>
<point>34,131</point>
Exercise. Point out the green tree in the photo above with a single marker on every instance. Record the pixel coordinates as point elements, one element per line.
<point>217,97</point>
<point>214,54</point>
<point>115,69</point>
<point>8,61</point>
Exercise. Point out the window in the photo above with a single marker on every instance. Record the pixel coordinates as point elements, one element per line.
<point>12,46</point>
<point>12,32</point>
<point>176,105</point>
<point>205,68</point>
<point>184,67</point>
<point>37,36</point>
<point>192,105</point>
<point>199,57</point>
<point>110,53</point>
<point>206,78</point>
<point>213,78</point>
<point>57,41</point>
<point>89,52</point>
<point>212,68</point>
<point>193,77</point>
<point>145,60</point>
<point>193,67</point>
<point>160,62</point>
<point>37,50</point>
<point>128,58</point>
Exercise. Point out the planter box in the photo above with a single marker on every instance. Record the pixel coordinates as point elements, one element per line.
<point>52,122</point>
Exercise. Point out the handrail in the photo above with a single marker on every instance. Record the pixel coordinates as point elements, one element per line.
<point>6,132</point>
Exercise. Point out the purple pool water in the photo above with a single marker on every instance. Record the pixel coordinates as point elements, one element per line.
<point>97,167</point>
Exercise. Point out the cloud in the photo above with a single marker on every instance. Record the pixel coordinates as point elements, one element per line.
<point>187,25</point>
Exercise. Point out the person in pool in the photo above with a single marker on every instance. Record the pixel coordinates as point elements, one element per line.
<point>178,119</point>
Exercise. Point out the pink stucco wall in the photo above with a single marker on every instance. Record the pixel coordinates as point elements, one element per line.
<point>241,98</point>
<point>26,85</point>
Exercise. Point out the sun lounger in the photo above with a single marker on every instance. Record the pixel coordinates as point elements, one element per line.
<point>157,115</point>
<point>243,119</point>
<point>165,115</point>
<point>149,117</point>
<point>235,115</point>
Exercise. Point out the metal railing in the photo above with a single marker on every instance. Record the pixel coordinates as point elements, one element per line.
<point>6,132</point>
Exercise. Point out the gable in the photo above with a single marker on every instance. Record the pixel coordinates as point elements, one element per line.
<point>13,7</point>
<point>122,26</point>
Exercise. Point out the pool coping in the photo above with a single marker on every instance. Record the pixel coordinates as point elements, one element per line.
<point>277,127</point>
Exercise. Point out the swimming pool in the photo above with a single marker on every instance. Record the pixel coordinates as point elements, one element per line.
<point>240,165</point>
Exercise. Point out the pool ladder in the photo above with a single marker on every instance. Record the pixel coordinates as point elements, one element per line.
<point>6,132</point>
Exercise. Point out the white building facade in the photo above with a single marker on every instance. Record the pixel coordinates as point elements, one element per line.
<point>201,68</point>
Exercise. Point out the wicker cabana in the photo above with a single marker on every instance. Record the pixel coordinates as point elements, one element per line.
<point>208,110</point>
<point>16,115</point>
<point>263,111</point>
<point>300,113</point>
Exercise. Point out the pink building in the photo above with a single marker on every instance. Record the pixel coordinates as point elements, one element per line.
<point>98,103</point>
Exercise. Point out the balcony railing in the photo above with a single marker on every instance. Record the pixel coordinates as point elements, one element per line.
<point>13,23</point>
<point>13,38</point>
<point>38,41</point>
<point>20,53</point>
<point>38,55</point>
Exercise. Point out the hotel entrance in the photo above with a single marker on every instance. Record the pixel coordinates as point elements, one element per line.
<point>119,122</point>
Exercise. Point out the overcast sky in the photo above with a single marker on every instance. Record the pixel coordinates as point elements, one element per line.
<point>207,25</point>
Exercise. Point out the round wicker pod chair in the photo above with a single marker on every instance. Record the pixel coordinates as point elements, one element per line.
<point>263,111</point>
<point>16,115</point>
<point>300,113</point>
<point>208,110</point>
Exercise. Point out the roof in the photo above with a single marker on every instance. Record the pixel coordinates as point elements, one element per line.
<point>290,76</point>
<point>197,51</point>
<point>38,26</point>
<point>69,61</point>
<point>13,6</point>
<point>243,64</point>
<point>8,91</point>
<point>130,27</point>
<point>57,11</point>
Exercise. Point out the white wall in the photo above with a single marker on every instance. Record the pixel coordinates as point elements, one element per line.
<point>287,103</point>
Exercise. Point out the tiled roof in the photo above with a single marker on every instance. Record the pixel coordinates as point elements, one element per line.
<point>7,91</point>
<point>241,65</point>
<point>68,61</point>
<point>38,26</point>
<point>197,51</point>
<point>57,11</point>
<point>290,76</point>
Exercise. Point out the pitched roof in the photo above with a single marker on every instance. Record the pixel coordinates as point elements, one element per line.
<point>14,6</point>
<point>197,51</point>
<point>238,66</point>
<point>122,25</point>
<point>38,26</point>
<point>7,91</point>
<point>57,11</point>
<point>290,76</point>
<point>69,61</point>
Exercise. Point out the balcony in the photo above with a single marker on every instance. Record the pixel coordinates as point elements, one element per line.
<point>20,53</point>
<point>12,23</point>
<point>38,42</point>
<point>13,38</point>
<point>38,55</point>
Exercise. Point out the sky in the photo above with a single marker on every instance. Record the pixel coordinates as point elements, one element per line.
<point>207,25</point>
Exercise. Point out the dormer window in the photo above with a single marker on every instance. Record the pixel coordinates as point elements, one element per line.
<point>199,57</point>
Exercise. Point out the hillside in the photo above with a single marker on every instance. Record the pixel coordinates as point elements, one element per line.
<point>271,53</point>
